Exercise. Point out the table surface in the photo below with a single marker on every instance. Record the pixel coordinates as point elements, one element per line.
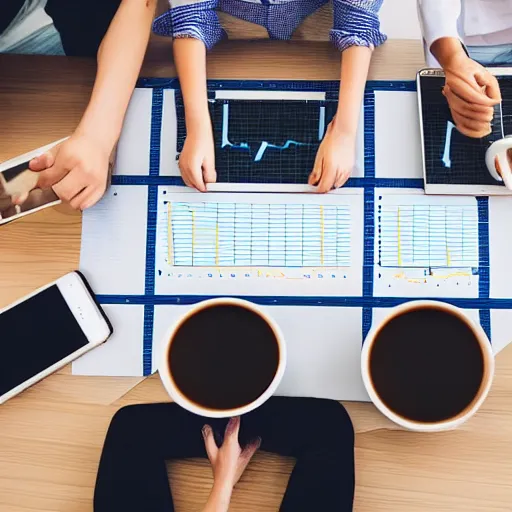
<point>51,436</point>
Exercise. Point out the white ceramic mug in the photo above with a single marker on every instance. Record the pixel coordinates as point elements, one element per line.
<point>470,410</point>
<point>176,394</point>
<point>498,160</point>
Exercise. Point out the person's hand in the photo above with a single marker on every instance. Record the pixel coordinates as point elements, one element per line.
<point>197,160</point>
<point>230,460</point>
<point>334,161</point>
<point>76,169</point>
<point>471,92</point>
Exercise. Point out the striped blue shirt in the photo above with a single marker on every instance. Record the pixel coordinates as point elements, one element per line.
<point>356,22</point>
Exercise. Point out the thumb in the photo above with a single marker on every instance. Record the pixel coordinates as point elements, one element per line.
<point>209,172</point>
<point>41,162</point>
<point>209,443</point>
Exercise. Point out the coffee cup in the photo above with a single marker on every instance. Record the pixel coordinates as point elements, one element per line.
<point>498,159</point>
<point>427,366</point>
<point>224,357</point>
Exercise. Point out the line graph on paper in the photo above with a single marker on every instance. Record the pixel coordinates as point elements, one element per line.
<point>428,236</point>
<point>210,234</point>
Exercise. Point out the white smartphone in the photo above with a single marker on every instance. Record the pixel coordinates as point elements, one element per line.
<point>46,330</point>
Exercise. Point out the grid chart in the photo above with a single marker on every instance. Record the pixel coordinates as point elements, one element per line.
<point>450,157</point>
<point>428,236</point>
<point>258,235</point>
<point>261,141</point>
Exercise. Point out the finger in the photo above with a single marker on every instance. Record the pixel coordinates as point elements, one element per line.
<point>470,110</point>
<point>95,196</point>
<point>81,197</point>
<point>195,177</point>
<point>249,451</point>
<point>69,187</point>
<point>492,88</point>
<point>327,180</point>
<point>470,127</point>
<point>209,443</point>
<point>43,161</point>
<point>209,172</point>
<point>316,173</point>
<point>19,200</point>
<point>341,178</point>
<point>232,429</point>
<point>467,92</point>
<point>51,176</point>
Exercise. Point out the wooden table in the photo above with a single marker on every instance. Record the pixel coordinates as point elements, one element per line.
<point>51,436</point>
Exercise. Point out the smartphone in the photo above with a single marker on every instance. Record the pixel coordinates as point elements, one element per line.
<point>46,330</point>
<point>16,179</point>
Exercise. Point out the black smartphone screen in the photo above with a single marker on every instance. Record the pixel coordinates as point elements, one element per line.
<point>35,335</point>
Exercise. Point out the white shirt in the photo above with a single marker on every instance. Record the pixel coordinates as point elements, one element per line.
<point>475,22</point>
<point>31,18</point>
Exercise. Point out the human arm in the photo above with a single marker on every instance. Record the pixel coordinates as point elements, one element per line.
<point>471,91</point>
<point>195,28</point>
<point>197,159</point>
<point>78,168</point>
<point>228,463</point>
<point>356,33</point>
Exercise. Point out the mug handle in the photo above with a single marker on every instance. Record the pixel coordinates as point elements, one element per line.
<point>505,171</point>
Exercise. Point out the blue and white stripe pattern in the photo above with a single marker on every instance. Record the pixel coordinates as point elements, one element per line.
<point>356,22</point>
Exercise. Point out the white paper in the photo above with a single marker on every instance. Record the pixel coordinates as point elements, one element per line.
<point>397,135</point>
<point>501,332</point>
<point>500,246</point>
<point>121,355</point>
<point>263,274</point>
<point>168,138</point>
<point>432,252</point>
<point>113,252</point>
<point>133,148</point>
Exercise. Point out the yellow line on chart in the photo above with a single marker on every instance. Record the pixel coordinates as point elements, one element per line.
<point>399,241</point>
<point>322,235</point>
<point>217,243</point>
<point>170,248</point>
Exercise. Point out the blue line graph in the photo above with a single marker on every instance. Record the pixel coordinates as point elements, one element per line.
<point>265,145</point>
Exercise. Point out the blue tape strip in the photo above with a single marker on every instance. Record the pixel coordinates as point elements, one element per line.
<point>154,171</point>
<point>156,132</point>
<point>331,87</point>
<point>369,207</point>
<point>413,183</point>
<point>286,300</point>
<point>484,278</point>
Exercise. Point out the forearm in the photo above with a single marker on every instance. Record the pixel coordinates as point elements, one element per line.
<point>190,60</point>
<point>355,63</point>
<point>445,49</point>
<point>119,61</point>
<point>219,499</point>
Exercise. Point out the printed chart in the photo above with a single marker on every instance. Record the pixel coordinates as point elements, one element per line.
<point>261,235</point>
<point>428,236</point>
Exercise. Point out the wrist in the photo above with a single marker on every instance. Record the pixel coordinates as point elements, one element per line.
<point>99,132</point>
<point>448,50</point>
<point>221,496</point>
<point>341,129</point>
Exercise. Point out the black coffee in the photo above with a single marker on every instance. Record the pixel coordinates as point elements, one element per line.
<point>224,357</point>
<point>426,365</point>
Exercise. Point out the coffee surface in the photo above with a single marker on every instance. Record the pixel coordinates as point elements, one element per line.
<point>224,357</point>
<point>426,365</point>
